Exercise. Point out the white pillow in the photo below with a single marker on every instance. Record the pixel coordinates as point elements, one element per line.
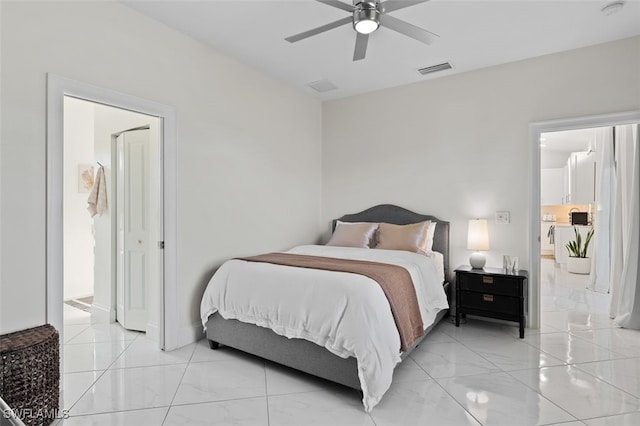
<point>413,237</point>
<point>354,234</point>
<point>431,233</point>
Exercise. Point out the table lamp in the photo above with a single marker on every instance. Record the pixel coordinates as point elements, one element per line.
<point>478,241</point>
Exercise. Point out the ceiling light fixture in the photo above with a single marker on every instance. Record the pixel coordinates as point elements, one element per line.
<point>366,17</point>
<point>612,8</point>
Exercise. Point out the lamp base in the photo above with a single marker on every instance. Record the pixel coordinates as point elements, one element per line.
<point>477,260</point>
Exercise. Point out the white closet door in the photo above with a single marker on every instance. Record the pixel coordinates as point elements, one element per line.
<point>133,229</point>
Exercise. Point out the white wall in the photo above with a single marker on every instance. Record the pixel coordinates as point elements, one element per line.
<point>458,147</point>
<point>553,159</point>
<point>78,235</point>
<point>249,148</point>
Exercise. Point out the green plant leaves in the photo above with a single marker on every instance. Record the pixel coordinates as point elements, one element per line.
<point>576,247</point>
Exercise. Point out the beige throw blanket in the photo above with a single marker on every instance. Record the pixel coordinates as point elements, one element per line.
<point>394,280</point>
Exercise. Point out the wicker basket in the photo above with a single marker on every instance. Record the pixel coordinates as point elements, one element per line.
<point>30,373</point>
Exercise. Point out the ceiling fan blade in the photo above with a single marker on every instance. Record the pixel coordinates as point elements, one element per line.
<point>408,29</point>
<point>361,47</point>
<point>321,29</point>
<point>391,5</point>
<point>339,5</point>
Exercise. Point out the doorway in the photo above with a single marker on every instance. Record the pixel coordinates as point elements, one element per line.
<point>57,88</point>
<point>535,234</point>
<point>104,275</point>
<point>574,284</point>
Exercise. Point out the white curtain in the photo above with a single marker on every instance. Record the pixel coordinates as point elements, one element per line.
<point>625,291</point>
<point>605,190</point>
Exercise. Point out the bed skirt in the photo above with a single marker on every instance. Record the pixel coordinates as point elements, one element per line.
<point>300,354</point>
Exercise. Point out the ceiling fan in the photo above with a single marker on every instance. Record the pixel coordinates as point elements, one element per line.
<point>366,17</point>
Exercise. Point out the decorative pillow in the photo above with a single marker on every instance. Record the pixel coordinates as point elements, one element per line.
<point>353,234</point>
<point>413,237</point>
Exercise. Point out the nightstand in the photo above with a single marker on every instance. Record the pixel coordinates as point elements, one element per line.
<point>492,293</point>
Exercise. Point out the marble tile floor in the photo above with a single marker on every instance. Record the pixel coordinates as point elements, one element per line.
<point>578,369</point>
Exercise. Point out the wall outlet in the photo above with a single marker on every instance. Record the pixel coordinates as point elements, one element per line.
<point>502,217</point>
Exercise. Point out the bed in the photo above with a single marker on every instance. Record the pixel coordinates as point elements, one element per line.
<point>338,360</point>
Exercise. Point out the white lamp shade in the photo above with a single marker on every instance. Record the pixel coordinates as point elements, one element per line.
<point>478,238</point>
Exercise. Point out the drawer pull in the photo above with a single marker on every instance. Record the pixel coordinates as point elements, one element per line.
<point>487,280</point>
<point>487,297</point>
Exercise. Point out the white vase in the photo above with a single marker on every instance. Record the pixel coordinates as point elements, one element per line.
<point>579,265</point>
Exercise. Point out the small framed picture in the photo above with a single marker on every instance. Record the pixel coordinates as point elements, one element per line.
<point>85,178</point>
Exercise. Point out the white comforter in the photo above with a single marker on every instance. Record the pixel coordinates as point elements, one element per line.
<point>346,313</point>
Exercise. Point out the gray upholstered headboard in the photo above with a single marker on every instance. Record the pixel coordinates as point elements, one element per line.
<point>389,213</point>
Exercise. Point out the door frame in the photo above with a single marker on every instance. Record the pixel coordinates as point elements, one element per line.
<point>57,88</point>
<point>535,130</point>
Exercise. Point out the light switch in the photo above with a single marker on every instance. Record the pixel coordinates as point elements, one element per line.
<point>502,217</point>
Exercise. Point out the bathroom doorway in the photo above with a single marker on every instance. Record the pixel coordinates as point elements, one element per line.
<point>57,88</point>
<point>105,279</point>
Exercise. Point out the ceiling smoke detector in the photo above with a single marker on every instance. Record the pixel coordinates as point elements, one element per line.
<point>322,86</point>
<point>612,8</point>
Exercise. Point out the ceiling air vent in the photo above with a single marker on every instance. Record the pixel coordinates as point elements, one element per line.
<point>435,68</point>
<point>322,86</point>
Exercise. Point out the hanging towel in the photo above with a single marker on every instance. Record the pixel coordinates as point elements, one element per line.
<point>98,195</point>
<point>552,234</point>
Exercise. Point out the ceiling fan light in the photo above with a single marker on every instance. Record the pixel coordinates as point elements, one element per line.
<point>366,21</point>
<point>366,26</point>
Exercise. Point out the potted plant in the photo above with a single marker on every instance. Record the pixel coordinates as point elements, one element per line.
<point>578,262</point>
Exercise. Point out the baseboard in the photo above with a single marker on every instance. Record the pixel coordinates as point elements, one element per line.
<point>153,331</point>
<point>190,334</point>
<point>78,296</point>
<point>101,313</point>
<point>499,321</point>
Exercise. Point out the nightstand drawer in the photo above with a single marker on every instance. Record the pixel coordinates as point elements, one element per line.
<point>490,284</point>
<point>490,302</point>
